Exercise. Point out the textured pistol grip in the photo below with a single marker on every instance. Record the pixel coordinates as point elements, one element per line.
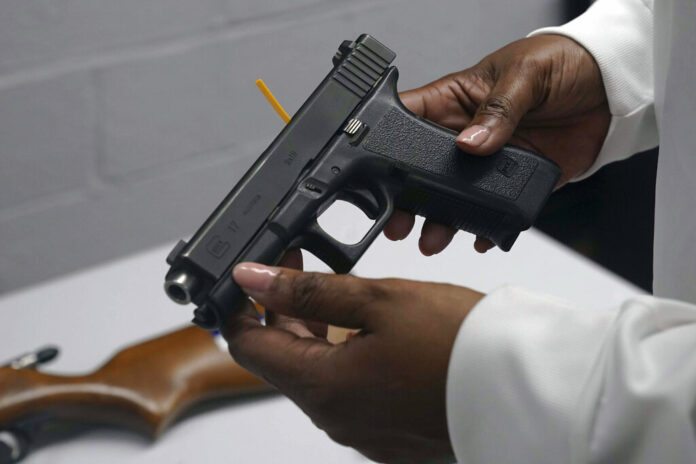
<point>494,196</point>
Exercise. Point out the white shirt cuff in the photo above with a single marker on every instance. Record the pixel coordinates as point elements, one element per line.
<point>516,373</point>
<point>619,35</point>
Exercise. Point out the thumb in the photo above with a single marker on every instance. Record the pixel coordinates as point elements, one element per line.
<point>340,300</point>
<point>498,115</point>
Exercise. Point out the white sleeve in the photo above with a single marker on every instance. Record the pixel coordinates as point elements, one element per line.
<point>619,35</point>
<point>536,380</point>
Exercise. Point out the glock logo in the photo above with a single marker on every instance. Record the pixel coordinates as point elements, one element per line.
<point>218,247</point>
<point>507,166</point>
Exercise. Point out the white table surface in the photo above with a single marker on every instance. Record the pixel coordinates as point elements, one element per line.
<point>91,313</point>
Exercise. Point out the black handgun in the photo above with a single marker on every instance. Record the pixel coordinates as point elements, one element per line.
<point>353,140</point>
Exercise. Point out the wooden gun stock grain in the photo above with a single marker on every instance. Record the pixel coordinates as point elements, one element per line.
<point>144,387</point>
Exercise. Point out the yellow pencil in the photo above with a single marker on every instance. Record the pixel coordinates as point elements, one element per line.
<point>272,100</point>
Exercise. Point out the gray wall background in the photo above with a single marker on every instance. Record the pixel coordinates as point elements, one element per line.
<point>124,122</point>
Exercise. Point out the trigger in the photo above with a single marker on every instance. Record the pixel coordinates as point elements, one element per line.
<point>335,254</point>
<point>364,199</point>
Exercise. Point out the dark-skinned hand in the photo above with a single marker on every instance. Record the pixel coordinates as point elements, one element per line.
<point>382,391</point>
<point>543,93</point>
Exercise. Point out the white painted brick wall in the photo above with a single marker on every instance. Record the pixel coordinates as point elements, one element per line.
<point>123,123</point>
<point>37,32</point>
<point>47,138</point>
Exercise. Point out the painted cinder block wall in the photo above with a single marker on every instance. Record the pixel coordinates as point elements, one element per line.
<point>123,123</point>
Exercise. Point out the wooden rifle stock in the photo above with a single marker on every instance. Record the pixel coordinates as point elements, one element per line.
<point>143,387</point>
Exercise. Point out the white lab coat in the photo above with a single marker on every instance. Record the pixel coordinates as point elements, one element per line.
<point>536,380</point>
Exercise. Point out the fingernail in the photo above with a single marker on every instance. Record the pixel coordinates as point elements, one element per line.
<point>253,276</point>
<point>474,136</point>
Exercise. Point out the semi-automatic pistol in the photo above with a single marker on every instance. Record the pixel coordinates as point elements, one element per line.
<point>353,140</point>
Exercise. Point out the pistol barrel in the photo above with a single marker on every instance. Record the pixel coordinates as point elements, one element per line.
<point>181,286</point>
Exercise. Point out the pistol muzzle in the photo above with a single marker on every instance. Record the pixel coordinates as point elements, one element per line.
<point>181,286</point>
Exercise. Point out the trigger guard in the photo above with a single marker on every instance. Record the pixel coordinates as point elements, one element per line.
<point>341,257</point>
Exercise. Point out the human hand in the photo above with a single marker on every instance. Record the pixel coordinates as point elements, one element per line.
<point>543,93</point>
<point>382,391</point>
